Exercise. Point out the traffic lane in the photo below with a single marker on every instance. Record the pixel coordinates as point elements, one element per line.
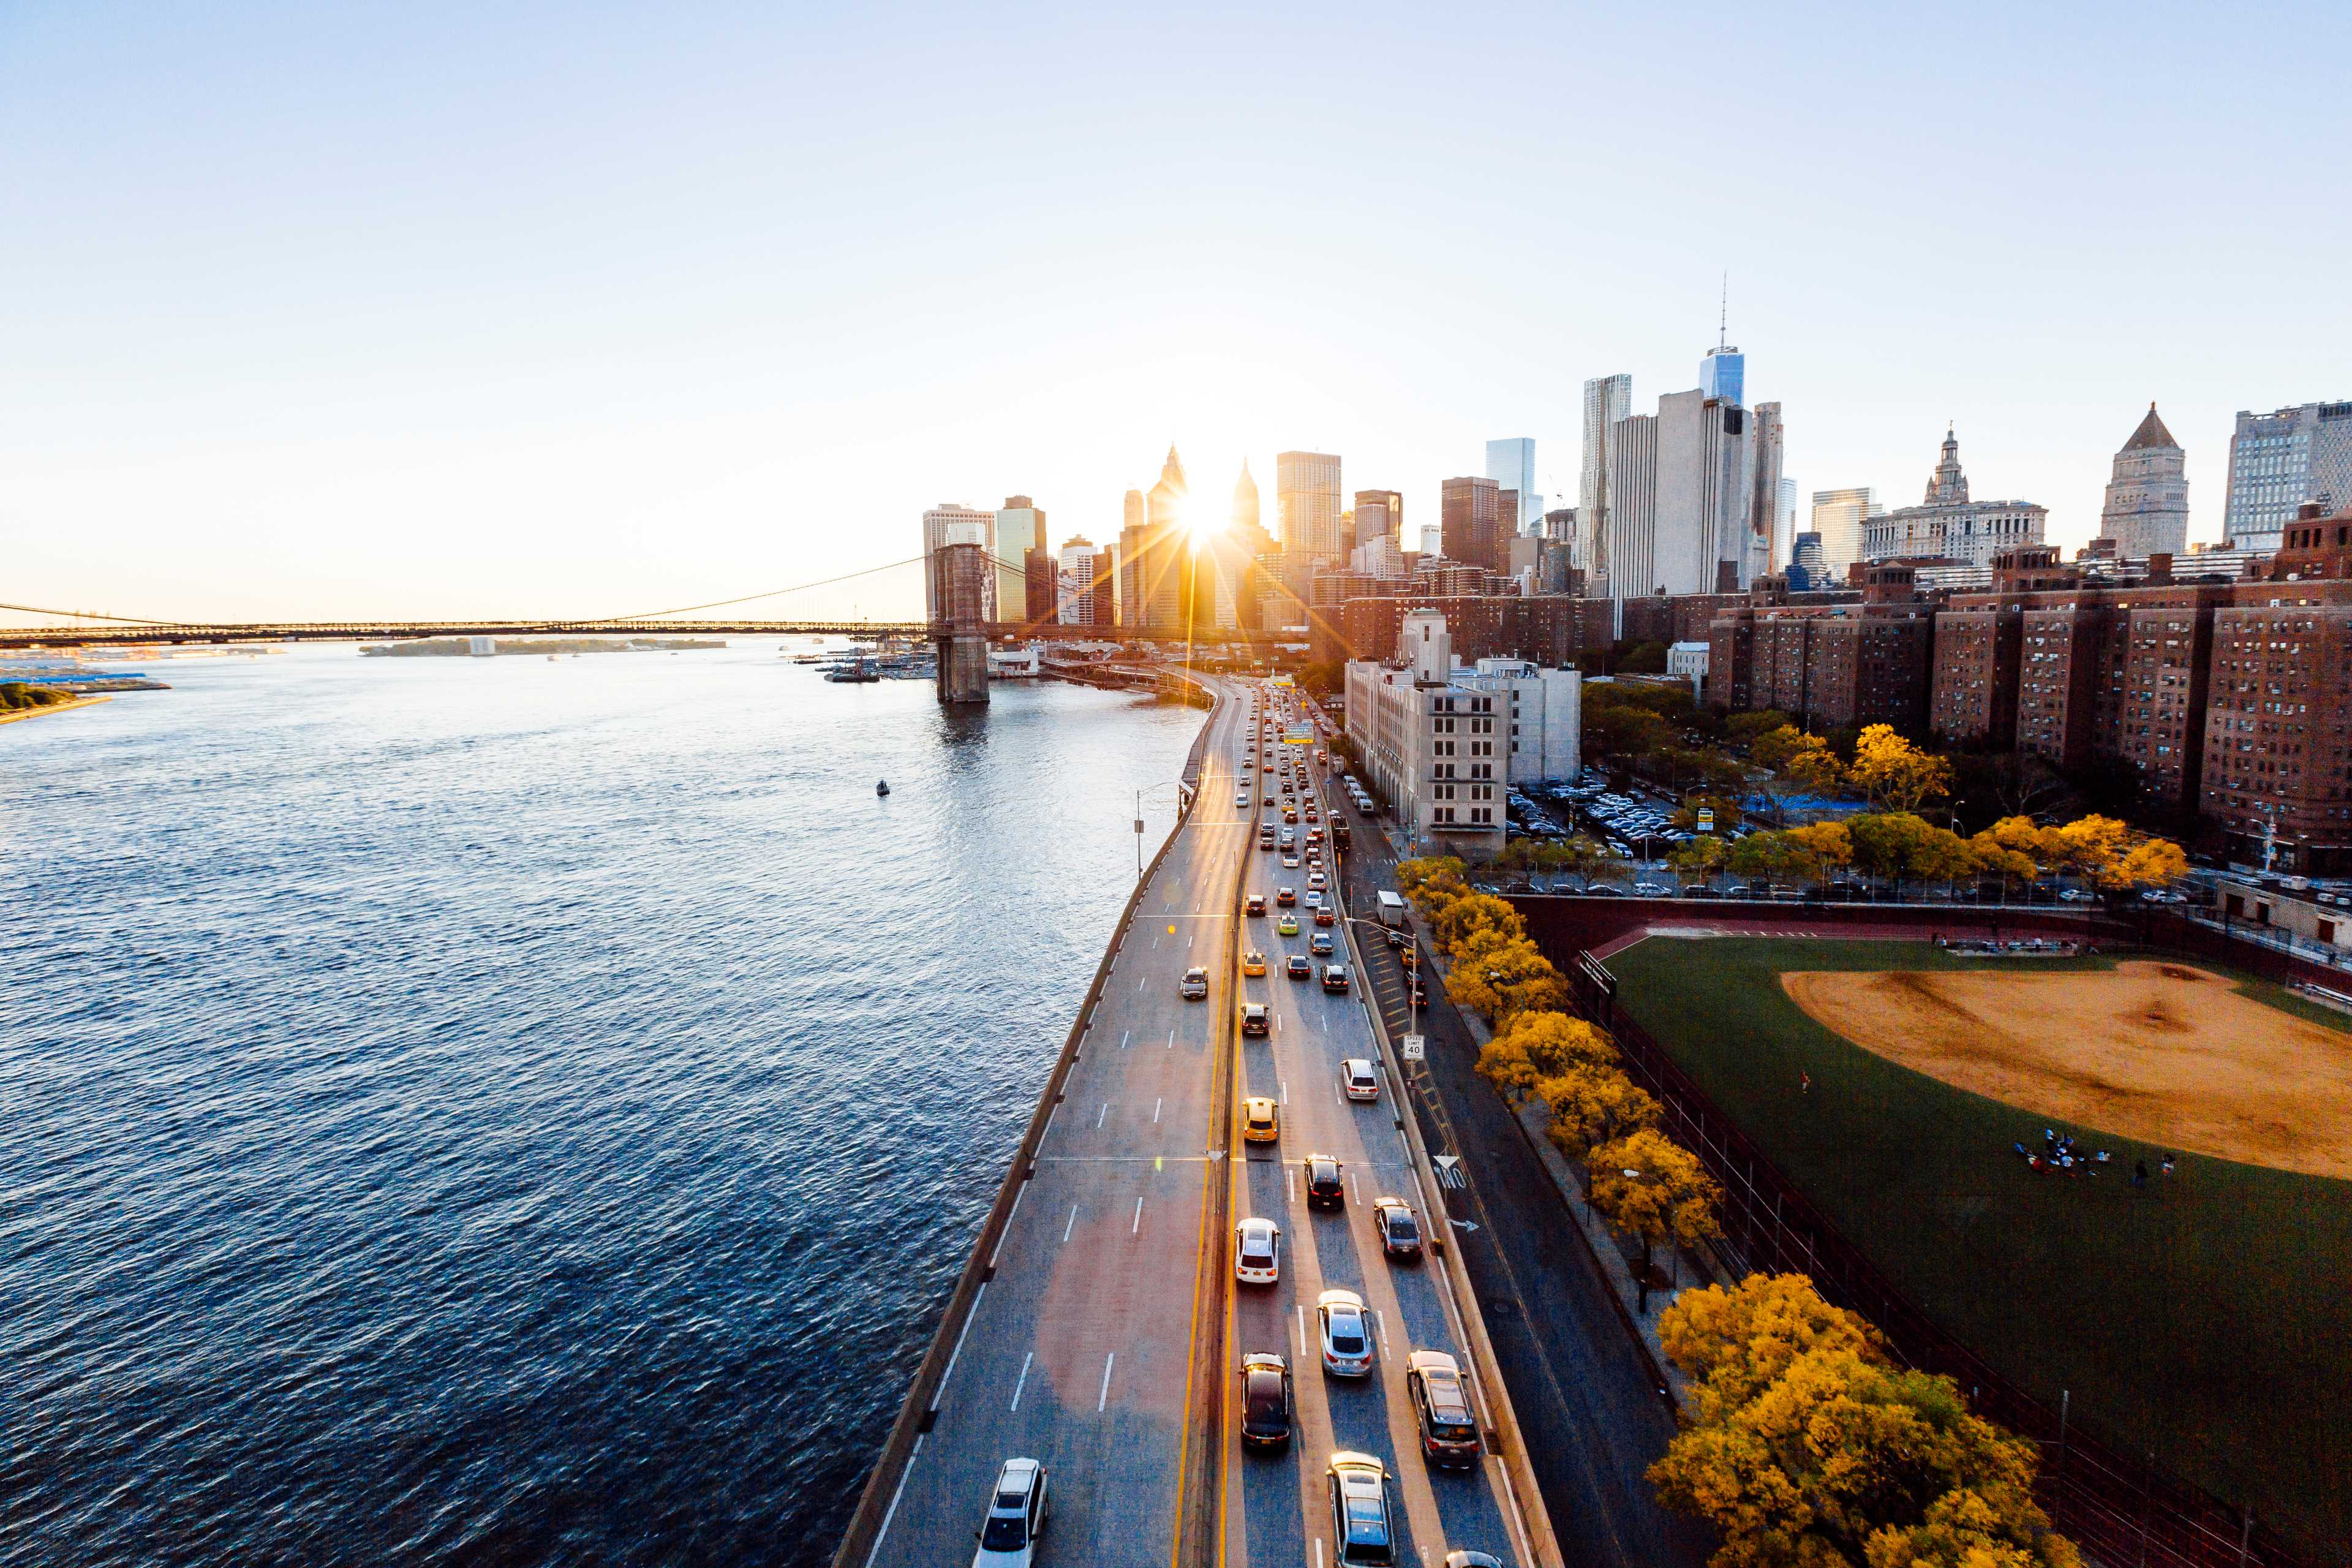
<point>1074,1355</point>
<point>1264,1488</point>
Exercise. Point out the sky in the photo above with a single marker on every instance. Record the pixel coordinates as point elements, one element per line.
<point>451,309</point>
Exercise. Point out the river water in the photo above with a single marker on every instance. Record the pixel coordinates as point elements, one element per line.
<point>504,1110</point>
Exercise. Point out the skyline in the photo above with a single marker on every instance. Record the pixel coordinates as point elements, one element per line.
<point>538,314</point>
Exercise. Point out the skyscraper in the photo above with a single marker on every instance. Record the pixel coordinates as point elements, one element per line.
<point>1306,502</point>
<point>2278,461</point>
<point>1379,512</point>
<point>1764,549</point>
<point>1470,517</point>
<point>1607,399</point>
<point>1245,500</point>
<point>1020,527</point>
<point>1837,520</point>
<point>1511,464</point>
<point>951,523</point>
<point>1162,576</point>
<point>1132,530</point>
<point>2147,509</point>
<point>1784,523</point>
<point>1682,498</point>
<point>1724,373</point>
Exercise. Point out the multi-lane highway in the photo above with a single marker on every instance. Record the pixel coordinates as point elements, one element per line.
<point>1108,1337</point>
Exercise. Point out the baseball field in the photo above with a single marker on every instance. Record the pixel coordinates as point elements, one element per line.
<point>2205,1316</point>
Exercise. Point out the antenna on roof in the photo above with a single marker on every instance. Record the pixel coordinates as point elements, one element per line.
<point>1723,325</point>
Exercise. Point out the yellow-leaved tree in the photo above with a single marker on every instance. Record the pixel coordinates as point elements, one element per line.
<point>1593,1105</point>
<point>2091,845</point>
<point>1734,1343</point>
<point>1500,976</point>
<point>1652,1188</point>
<point>1432,882</point>
<point>1536,1046</point>
<point>2150,863</point>
<point>1896,775</point>
<point>1469,916</point>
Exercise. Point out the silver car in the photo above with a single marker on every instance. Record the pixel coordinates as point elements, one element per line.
<point>1016,1517</point>
<point>1363,1535</point>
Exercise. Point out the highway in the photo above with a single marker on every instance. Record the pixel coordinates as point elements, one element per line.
<point>1080,1349</point>
<point>1108,1338</point>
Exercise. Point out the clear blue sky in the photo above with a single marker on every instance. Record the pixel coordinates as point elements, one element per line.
<point>452,309</point>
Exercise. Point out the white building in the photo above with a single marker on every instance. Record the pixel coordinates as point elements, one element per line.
<point>1445,742</point>
<point>1079,574</point>
<point>1379,557</point>
<point>1949,526</point>
<point>1307,504</point>
<point>1688,660</point>
<point>1838,519</point>
<point>2147,510</point>
<point>1544,710</point>
<point>1682,498</point>
<point>2278,461</point>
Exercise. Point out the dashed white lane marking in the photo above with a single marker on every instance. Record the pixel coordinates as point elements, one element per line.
<point>1298,1326</point>
<point>892,1512</point>
<point>1101,1115</point>
<point>1124,1038</point>
<point>1139,1218</point>
<point>954,1354</point>
<point>1067,1225</point>
<point>1155,1109</point>
<point>1139,985</point>
<point>1104,1397</point>
<point>1022,1381</point>
<point>1171,1039</point>
<point>1381,1324</point>
<point>1286,1091</point>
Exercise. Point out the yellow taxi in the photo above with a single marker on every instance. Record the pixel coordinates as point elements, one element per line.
<point>1252,963</point>
<point>1261,1122</point>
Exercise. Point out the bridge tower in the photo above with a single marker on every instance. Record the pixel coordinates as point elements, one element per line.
<point>962,585</point>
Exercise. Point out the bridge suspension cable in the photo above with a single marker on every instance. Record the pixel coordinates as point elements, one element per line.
<point>771,594</point>
<point>91,616</point>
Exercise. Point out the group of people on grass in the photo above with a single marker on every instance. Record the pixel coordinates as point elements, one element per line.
<point>2058,1155</point>
<point>2045,947</point>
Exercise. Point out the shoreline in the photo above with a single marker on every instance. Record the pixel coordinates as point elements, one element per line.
<point>87,701</point>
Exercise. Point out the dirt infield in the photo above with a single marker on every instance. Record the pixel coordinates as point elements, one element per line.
<point>2161,1052</point>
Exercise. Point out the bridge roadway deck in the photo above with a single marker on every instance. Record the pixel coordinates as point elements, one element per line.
<point>1079,1350</point>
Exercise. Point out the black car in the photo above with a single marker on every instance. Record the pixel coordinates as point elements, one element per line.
<point>1325,1190</point>
<point>1400,1231</point>
<point>1266,1401</point>
<point>1300,967</point>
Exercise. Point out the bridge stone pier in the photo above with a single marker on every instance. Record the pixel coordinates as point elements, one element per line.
<point>960,580</point>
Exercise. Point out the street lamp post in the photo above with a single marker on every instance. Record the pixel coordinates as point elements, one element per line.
<point>1177,786</point>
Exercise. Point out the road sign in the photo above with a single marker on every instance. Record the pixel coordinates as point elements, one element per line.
<point>1411,1049</point>
<point>1706,819</point>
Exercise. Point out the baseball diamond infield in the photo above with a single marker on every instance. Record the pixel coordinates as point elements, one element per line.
<point>2162,1053</point>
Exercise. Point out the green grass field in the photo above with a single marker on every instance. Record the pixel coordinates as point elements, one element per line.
<point>2208,1319</point>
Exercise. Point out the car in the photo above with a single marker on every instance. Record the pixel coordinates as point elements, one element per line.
<point>1300,967</point>
<point>1325,1190</point>
<point>1289,814</point>
<point>1286,926</point>
<point>1258,904</point>
<point>1252,963</point>
<point>1318,880</point>
<point>1652,890</point>
<point>1195,985</point>
<point>1266,1401</point>
<point>1358,1078</point>
<point>1256,1019</point>
<point>1017,1512</point>
<point>1320,944</point>
<point>1290,860</point>
<point>1346,1332</point>
<point>1314,835</point>
<point>1335,978</point>
<point>1420,996</point>
<point>1261,1121</point>
<point>1257,1251</point>
<point>1441,1404</point>
<point>1326,915</point>
<point>1314,897</point>
<point>1286,897</point>
<point>1399,1228</point>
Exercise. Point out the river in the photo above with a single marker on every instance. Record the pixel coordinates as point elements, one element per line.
<point>504,1110</point>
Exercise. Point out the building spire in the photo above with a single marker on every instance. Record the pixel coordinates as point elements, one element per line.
<point>1723,314</point>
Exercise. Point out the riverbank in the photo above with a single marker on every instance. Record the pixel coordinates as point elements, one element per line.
<point>67,707</point>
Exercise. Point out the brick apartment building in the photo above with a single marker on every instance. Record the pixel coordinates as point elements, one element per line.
<point>1826,661</point>
<point>1547,628</point>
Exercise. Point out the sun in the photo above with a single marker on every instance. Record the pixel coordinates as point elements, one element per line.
<point>1201,521</point>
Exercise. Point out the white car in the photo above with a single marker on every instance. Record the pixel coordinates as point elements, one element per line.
<point>1346,1333</point>
<point>1359,1078</point>
<point>1257,1251</point>
<point>1195,985</point>
<point>1016,1517</point>
<point>1316,879</point>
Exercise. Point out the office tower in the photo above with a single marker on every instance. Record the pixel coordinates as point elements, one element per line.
<point>1307,504</point>
<point>1784,522</point>
<point>2278,461</point>
<point>1805,570</point>
<point>1723,374</point>
<point>1432,541</point>
<point>2147,509</point>
<point>1607,399</point>
<point>1075,602</point>
<point>1136,524</point>
<point>1379,512</point>
<point>1164,578</point>
<point>1041,585</point>
<point>1245,500</point>
<point>1511,464</point>
<point>1766,550</point>
<point>1471,521</point>
<point>1949,526</point>
<point>1682,498</point>
<point>950,523</point>
<point>1020,529</point>
<point>1837,518</point>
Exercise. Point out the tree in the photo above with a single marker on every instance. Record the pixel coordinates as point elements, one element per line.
<point>1652,1188</point>
<point>1896,773</point>
<point>1430,881</point>
<point>2090,846</point>
<point>1775,749</point>
<point>1774,857</point>
<point>1593,1105</point>
<point>1734,1343</point>
<point>1897,844</point>
<point>1507,978</point>
<point>1622,731</point>
<point>1842,1461</point>
<point>1535,1045</point>
<point>1726,811</point>
<point>1818,769</point>
<point>1829,843</point>
<point>1454,924</point>
<point>2150,863</point>
<point>1748,728</point>
<point>1702,857</point>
